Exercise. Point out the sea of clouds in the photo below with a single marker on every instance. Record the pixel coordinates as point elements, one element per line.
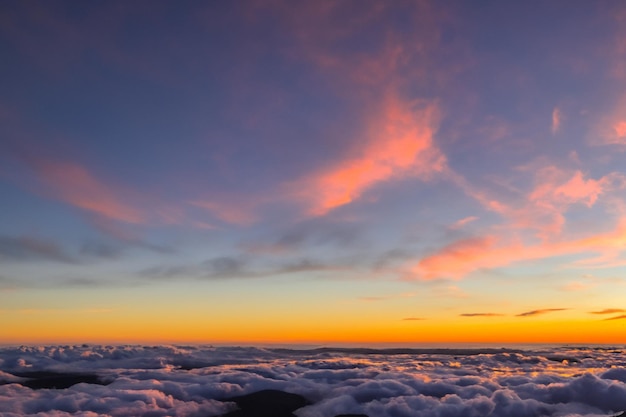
<point>191,380</point>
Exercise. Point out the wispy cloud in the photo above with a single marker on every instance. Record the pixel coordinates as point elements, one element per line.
<point>244,266</point>
<point>540,312</point>
<point>397,140</point>
<point>543,206</point>
<point>610,129</point>
<point>577,286</point>
<point>309,233</point>
<point>413,319</point>
<point>32,249</point>
<point>242,212</point>
<point>461,257</point>
<point>556,120</point>
<point>621,317</point>
<point>387,297</point>
<point>480,315</point>
<point>608,311</point>
<point>399,144</point>
<point>76,185</point>
<point>463,222</point>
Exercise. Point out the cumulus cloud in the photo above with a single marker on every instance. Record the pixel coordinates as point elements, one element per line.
<point>193,381</point>
<point>539,312</point>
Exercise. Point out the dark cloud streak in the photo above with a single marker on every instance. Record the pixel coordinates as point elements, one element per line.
<point>481,315</point>
<point>623,316</point>
<point>233,267</point>
<point>608,311</point>
<point>27,249</point>
<point>539,312</point>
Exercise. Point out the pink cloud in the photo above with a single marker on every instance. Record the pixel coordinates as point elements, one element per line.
<point>542,209</point>
<point>399,144</point>
<point>552,188</point>
<point>239,213</point>
<point>77,186</point>
<point>556,120</point>
<point>467,255</point>
<point>620,131</point>
<point>610,126</point>
<point>460,258</point>
<point>555,190</point>
<point>464,221</point>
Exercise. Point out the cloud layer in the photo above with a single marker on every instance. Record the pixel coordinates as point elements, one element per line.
<point>190,381</point>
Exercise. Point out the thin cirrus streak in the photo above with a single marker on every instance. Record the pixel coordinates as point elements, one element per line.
<point>400,144</point>
<point>242,213</point>
<point>480,315</point>
<point>556,120</point>
<point>541,311</point>
<point>609,311</point>
<point>463,222</point>
<point>621,317</point>
<point>75,185</point>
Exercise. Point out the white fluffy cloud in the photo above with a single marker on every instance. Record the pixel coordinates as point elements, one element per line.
<point>190,381</point>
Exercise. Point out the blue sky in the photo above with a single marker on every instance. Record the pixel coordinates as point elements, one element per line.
<point>407,160</point>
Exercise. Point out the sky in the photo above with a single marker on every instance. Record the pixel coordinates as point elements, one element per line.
<point>322,172</point>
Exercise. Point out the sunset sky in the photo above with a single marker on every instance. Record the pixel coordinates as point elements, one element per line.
<point>313,172</point>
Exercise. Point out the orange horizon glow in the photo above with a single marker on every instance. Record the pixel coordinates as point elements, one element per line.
<point>476,330</point>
